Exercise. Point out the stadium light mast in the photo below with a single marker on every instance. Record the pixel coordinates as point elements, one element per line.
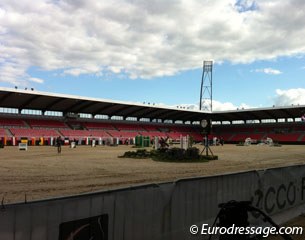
<point>206,93</point>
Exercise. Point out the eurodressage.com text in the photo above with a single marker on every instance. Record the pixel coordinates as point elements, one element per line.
<point>262,231</point>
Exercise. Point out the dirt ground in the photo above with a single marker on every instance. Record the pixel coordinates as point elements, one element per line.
<point>42,173</point>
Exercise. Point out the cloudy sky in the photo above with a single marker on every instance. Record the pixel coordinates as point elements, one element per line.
<point>152,51</point>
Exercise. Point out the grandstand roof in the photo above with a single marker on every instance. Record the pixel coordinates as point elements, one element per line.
<point>293,111</point>
<point>29,99</point>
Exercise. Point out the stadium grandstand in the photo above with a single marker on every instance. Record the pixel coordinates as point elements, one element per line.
<point>40,116</point>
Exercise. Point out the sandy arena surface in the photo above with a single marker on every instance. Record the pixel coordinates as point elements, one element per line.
<point>42,173</point>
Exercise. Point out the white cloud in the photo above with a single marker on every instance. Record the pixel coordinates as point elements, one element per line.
<point>84,70</point>
<point>269,71</point>
<point>291,96</point>
<point>144,38</point>
<point>12,73</point>
<point>282,98</point>
<point>36,80</point>
<point>217,106</point>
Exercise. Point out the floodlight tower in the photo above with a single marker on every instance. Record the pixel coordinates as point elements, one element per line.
<point>206,87</point>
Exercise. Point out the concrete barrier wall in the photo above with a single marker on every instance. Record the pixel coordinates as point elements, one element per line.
<point>163,211</point>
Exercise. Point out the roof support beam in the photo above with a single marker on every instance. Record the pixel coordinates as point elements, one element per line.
<point>25,104</point>
<point>287,113</point>
<point>172,113</point>
<point>70,108</point>
<point>189,115</point>
<point>254,116</point>
<point>270,115</point>
<point>224,117</point>
<point>114,113</point>
<point>139,109</point>
<point>103,109</point>
<point>241,116</point>
<point>159,114</point>
<point>82,104</point>
<point>50,105</point>
<point>147,113</point>
<point>5,96</point>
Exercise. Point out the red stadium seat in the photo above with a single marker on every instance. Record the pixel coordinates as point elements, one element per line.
<point>22,132</point>
<point>11,122</point>
<point>39,123</point>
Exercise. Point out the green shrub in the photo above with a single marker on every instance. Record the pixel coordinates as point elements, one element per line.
<point>174,154</point>
<point>140,153</point>
<point>171,155</point>
<point>192,153</point>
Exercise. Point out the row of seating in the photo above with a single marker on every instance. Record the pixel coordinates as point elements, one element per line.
<point>52,128</point>
<point>96,125</point>
<point>40,123</point>
<point>230,133</point>
<point>135,127</point>
<point>23,132</point>
<point>286,137</point>
<point>2,132</point>
<point>47,133</point>
<point>11,122</point>
<point>33,123</point>
<point>272,128</point>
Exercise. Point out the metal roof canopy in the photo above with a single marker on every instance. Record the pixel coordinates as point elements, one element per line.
<point>28,99</point>
<point>34,100</point>
<point>284,112</point>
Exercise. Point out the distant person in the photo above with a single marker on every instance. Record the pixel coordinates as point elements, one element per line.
<point>58,144</point>
<point>222,141</point>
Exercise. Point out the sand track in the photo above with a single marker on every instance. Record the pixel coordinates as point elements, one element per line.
<point>41,173</point>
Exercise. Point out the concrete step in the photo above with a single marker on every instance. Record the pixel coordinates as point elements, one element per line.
<point>8,132</point>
